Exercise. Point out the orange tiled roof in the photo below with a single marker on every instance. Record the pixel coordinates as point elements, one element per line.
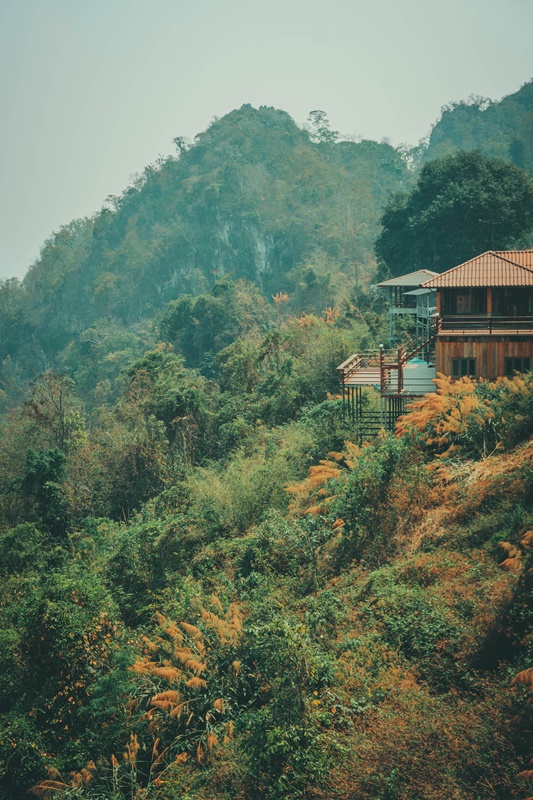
<point>522,257</point>
<point>494,268</point>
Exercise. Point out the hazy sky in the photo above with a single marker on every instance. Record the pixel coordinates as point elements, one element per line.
<point>92,91</point>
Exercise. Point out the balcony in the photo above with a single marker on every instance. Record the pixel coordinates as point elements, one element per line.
<point>485,325</point>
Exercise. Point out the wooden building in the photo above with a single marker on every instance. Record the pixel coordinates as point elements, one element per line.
<point>474,320</point>
<point>407,298</point>
<point>485,315</point>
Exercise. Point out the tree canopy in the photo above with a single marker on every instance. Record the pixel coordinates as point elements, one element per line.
<point>462,205</point>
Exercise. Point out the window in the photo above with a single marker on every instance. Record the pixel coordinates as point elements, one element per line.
<point>512,302</point>
<point>464,301</point>
<point>463,366</point>
<point>513,365</point>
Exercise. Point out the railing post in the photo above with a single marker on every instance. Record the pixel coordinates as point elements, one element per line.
<point>399,370</point>
<point>381,370</point>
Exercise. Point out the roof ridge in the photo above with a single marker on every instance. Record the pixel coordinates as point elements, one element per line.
<point>414,271</point>
<point>515,250</point>
<point>452,269</point>
<point>498,253</point>
<point>429,272</point>
<point>495,253</point>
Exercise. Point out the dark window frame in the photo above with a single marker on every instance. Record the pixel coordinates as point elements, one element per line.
<point>512,301</point>
<point>464,367</point>
<point>473,298</point>
<point>515,364</point>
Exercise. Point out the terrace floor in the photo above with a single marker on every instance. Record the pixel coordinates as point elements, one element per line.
<point>418,378</point>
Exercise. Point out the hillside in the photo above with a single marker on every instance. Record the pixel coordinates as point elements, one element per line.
<point>300,618</point>
<point>207,590</point>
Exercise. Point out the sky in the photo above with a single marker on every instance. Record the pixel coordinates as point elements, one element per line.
<point>92,91</point>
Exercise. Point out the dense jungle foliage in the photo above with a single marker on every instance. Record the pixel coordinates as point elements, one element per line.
<point>207,589</point>
<point>486,202</point>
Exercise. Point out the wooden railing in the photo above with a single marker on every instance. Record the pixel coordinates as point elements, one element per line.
<point>387,365</point>
<point>349,366</point>
<point>360,361</point>
<point>463,323</point>
<point>423,342</point>
<point>386,370</point>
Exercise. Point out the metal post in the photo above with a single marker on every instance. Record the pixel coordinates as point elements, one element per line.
<point>399,370</point>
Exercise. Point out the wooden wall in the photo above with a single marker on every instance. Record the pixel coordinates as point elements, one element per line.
<point>490,352</point>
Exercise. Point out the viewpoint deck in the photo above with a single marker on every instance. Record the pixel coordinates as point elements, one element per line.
<point>418,377</point>
<point>399,377</point>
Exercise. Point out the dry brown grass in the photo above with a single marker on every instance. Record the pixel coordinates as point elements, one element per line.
<point>417,746</point>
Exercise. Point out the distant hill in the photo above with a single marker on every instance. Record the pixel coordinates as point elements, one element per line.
<point>254,196</point>
<point>502,129</point>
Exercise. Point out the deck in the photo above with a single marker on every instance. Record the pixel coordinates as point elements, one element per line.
<point>417,378</point>
<point>394,373</point>
<point>399,376</point>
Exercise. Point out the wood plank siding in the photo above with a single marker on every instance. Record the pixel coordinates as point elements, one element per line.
<point>485,315</point>
<point>490,352</point>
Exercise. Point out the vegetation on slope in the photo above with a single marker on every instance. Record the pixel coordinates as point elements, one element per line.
<point>207,589</point>
<point>255,607</point>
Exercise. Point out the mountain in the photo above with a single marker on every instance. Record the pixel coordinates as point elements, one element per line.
<point>292,210</point>
<point>502,129</point>
<point>254,196</point>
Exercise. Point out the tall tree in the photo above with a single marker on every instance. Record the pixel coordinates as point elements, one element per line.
<point>462,205</point>
<point>320,129</point>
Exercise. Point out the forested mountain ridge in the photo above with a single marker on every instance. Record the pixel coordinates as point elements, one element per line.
<point>292,210</point>
<point>254,196</point>
<point>501,129</point>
